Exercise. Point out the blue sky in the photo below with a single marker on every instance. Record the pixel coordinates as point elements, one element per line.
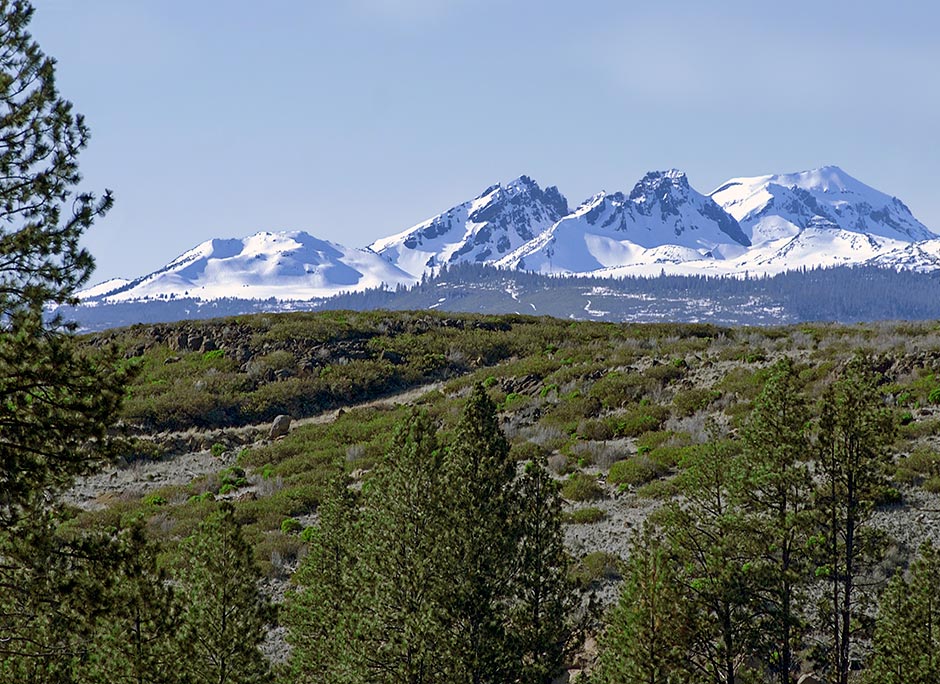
<point>356,119</point>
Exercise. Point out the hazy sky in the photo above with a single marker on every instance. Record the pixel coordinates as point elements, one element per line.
<point>359,118</point>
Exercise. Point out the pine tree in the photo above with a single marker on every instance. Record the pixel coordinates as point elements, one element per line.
<point>906,643</point>
<point>54,591</point>
<point>224,618</point>
<point>545,612</point>
<point>55,401</point>
<point>854,430</point>
<point>136,642</point>
<point>403,636</point>
<point>776,493</point>
<point>646,638</point>
<point>320,614</point>
<point>705,536</point>
<point>481,509</point>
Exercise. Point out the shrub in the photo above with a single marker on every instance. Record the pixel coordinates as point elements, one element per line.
<point>290,526</point>
<point>690,401</point>
<point>933,485</point>
<point>594,567</point>
<point>634,471</point>
<point>581,487</point>
<point>526,451</point>
<point>233,477</point>
<point>155,500</point>
<point>637,420</point>
<point>617,389</point>
<point>217,449</point>
<point>665,373</point>
<point>595,430</point>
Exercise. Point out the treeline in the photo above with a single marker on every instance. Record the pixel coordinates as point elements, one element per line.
<point>844,294</point>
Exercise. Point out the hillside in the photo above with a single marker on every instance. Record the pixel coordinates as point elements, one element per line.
<point>614,409</point>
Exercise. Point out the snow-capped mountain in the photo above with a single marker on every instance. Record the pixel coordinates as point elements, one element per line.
<point>663,220</point>
<point>761,225</point>
<point>287,265</point>
<point>500,220</point>
<point>772,207</point>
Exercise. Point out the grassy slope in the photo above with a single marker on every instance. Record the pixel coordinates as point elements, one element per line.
<point>612,406</point>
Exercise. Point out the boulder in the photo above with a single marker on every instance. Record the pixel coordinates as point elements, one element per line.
<point>280,426</point>
<point>809,678</point>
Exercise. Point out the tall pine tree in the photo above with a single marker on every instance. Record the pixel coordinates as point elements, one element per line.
<point>55,401</point>
<point>483,540</point>
<point>403,632</point>
<point>545,618</point>
<point>321,613</point>
<point>775,491</point>
<point>225,618</point>
<point>647,636</point>
<point>854,430</point>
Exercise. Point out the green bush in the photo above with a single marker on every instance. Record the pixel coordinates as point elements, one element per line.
<point>665,373</point>
<point>634,471</point>
<point>617,389</point>
<point>581,487</point>
<point>217,449</point>
<point>290,526</point>
<point>594,567</point>
<point>933,484</point>
<point>690,401</point>
<point>637,420</point>
<point>526,451</point>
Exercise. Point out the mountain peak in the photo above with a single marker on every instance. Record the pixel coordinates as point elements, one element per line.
<point>486,228</point>
<point>657,184</point>
<point>778,206</point>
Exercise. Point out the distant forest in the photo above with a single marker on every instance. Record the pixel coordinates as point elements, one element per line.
<point>843,294</point>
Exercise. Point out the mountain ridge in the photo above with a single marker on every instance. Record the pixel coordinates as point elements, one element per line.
<point>748,225</point>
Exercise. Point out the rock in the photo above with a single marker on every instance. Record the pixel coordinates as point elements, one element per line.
<point>280,426</point>
<point>171,359</point>
<point>809,678</point>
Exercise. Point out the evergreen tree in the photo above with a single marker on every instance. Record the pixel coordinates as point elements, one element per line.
<point>776,493</point>
<point>906,644</point>
<point>854,430</point>
<point>544,623</point>
<point>705,534</point>
<point>54,400</point>
<point>321,614</point>
<point>403,634</point>
<point>481,535</point>
<point>136,643</point>
<point>646,639</point>
<point>224,617</point>
<point>54,590</point>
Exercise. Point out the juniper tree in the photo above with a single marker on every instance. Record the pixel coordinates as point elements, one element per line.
<point>54,400</point>
<point>906,644</point>
<point>224,617</point>
<point>853,432</point>
<point>776,493</point>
